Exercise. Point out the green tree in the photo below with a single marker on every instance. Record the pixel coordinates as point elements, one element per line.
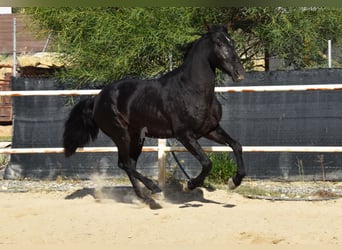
<point>296,35</point>
<point>110,43</point>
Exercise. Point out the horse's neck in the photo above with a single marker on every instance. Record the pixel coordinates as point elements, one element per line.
<point>197,70</point>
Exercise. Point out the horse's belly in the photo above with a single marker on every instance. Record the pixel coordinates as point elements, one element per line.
<point>153,125</point>
<point>156,130</point>
<point>154,133</point>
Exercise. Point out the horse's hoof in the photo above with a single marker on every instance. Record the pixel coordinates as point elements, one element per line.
<point>186,188</point>
<point>191,185</point>
<point>154,205</point>
<point>231,184</point>
<point>158,196</point>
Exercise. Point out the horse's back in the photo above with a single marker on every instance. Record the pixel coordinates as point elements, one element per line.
<point>133,104</point>
<point>156,105</point>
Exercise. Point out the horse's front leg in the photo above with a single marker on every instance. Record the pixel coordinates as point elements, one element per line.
<point>191,144</point>
<point>220,136</point>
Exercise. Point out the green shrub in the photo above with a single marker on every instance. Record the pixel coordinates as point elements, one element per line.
<point>223,167</point>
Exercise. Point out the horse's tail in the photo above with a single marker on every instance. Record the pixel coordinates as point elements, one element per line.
<point>79,127</point>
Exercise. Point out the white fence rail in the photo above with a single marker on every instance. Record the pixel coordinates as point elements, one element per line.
<point>162,149</point>
<point>273,88</point>
<point>303,149</point>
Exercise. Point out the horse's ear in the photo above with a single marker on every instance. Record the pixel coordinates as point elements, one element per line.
<point>226,29</point>
<point>228,26</point>
<point>206,26</point>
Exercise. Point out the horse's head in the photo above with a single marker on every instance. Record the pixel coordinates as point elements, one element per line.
<point>224,55</point>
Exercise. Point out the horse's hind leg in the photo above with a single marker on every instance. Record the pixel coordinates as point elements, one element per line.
<point>131,173</point>
<point>123,142</point>
<point>138,191</point>
<point>220,136</point>
<point>136,144</point>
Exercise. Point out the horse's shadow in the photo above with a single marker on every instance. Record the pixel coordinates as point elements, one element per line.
<point>173,193</point>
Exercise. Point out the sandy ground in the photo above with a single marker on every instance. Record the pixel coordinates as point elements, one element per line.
<point>197,220</point>
<point>44,219</point>
<point>5,130</point>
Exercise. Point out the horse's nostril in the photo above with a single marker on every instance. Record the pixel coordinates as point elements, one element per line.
<point>238,76</point>
<point>241,77</point>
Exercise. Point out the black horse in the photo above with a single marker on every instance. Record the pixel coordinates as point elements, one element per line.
<point>181,104</point>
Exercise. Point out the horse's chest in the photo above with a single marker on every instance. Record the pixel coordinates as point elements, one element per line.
<point>198,109</point>
<point>199,118</point>
<point>197,113</point>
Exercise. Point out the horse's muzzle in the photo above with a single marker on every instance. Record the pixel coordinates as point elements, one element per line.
<point>240,78</point>
<point>237,77</point>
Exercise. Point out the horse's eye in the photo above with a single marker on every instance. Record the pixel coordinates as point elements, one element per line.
<point>220,44</point>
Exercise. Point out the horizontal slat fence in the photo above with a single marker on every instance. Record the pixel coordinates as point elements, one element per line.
<point>162,149</point>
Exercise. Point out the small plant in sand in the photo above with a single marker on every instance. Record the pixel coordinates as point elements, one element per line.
<point>223,167</point>
<point>3,160</point>
<point>300,166</point>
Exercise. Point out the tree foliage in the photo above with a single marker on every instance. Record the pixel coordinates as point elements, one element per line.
<point>296,35</point>
<point>110,43</point>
